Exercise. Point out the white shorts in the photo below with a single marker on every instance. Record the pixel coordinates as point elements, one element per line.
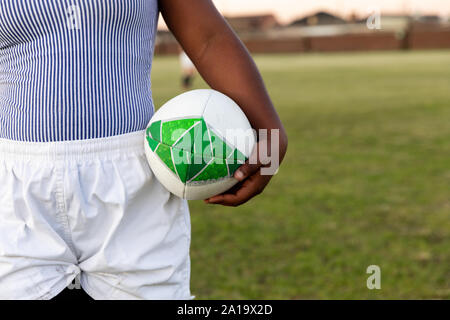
<point>92,207</point>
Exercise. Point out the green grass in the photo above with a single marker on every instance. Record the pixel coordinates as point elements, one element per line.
<point>366,181</point>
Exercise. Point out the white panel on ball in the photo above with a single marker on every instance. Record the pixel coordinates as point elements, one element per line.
<point>190,104</point>
<point>163,174</point>
<point>195,192</point>
<point>225,117</point>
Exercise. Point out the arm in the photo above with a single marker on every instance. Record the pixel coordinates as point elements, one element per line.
<point>226,66</point>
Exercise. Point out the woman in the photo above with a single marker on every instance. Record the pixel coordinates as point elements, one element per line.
<point>77,196</point>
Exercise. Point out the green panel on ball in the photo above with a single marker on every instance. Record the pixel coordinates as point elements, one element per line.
<point>187,141</point>
<point>173,130</point>
<point>155,130</point>
<point>233,166</point>
<point>238,156</point>
<point>182,160</point>
<point>220,148</point>
<point>197,164</point>
<point>215,170</point>
<point>235,161</point>
<point>165,154</point>
<point>202,143</point>
<point>193,151</point>
<point>152,143</point>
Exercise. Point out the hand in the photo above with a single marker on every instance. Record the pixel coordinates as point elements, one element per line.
<point>251,182</point>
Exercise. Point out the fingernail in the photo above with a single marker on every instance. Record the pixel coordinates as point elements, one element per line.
<point>239,175</point>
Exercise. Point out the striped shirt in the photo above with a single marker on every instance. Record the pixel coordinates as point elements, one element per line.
<point>75,69</point>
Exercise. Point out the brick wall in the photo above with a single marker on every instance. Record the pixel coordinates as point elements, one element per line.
<point>167,48</point>
<point>354,42</point>
<point>429,40</point>
<point>275,45</point>
<point>415,39</point>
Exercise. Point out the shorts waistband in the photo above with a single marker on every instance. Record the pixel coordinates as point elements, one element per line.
<point>98,148</point>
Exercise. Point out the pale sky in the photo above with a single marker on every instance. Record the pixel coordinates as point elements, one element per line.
<point>287,10</point>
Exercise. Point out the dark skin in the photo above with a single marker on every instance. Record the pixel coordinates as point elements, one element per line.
<point>225,64</point>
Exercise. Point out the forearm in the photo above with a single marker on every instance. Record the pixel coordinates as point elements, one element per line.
<point>227,67</point>
<point>222,60</point>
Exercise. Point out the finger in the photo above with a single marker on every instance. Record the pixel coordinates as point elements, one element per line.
<point>253,187</point>
<point>246,170</point>
<point>218,198</point>
<point>250,167</point>
<point>250,188</point>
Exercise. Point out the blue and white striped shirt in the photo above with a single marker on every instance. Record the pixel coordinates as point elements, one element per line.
<point>75,69</point>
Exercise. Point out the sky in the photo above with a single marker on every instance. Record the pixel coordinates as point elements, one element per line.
<point>288,10</point>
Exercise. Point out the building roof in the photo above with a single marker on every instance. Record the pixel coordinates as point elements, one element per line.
<point>253,22</point>
<point>319,18</point>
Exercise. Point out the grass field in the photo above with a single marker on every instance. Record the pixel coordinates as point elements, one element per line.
<point>366,181</point>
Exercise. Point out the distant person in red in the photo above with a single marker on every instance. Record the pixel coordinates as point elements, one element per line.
<point>187,70</point>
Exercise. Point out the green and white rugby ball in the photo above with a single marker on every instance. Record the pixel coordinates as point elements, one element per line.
<point>195,142</point>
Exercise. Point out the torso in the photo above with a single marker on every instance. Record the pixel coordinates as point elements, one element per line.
<point>75,69</point>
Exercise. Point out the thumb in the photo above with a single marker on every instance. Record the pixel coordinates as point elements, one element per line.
<point>249,168</point>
